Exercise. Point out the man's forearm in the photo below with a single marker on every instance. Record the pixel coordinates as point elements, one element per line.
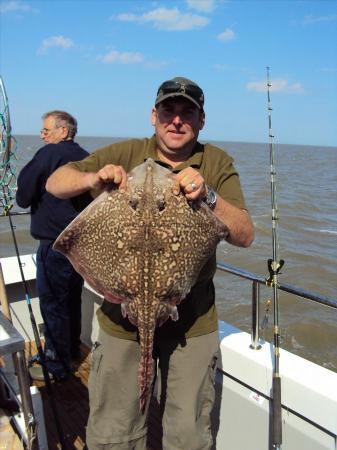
<point>238,221</point>
<point>67,182</point>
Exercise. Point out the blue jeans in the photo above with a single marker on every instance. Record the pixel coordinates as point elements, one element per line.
<point>59,288</point>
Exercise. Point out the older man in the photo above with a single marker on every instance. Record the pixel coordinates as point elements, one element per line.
<point>186,350</point>
<point>59,286</point>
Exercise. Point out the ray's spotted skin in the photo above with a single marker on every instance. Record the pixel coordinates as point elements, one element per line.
<point>143,248</point>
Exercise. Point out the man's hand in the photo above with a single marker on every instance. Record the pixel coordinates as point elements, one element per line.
<point>67,182</point>
<point>107,175</point>
<point>238,221</point>
<point>191,183</point>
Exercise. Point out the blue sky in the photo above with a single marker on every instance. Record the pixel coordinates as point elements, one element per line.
<point>103,61</point>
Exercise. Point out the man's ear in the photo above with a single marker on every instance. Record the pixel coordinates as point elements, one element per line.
<point>65,133</point>
<point>202,120</point>
<point>153,116</point>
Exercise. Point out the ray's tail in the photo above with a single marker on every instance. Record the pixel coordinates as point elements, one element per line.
<point>146,366</point>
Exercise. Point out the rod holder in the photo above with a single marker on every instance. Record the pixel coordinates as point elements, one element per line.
<point>255,345</point>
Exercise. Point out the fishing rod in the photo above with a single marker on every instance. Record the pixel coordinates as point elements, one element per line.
<point>274,267</point>
<point>7,195</point>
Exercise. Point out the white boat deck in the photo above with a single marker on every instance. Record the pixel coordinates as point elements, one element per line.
<point>244,381</point>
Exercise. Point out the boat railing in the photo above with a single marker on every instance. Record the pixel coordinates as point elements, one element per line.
<point>258,280</point>
<point>16,213</point>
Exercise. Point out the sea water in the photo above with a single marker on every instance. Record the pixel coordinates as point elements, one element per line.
<point>306,185</point>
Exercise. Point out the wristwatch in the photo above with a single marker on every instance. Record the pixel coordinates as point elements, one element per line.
<point>210,198</point>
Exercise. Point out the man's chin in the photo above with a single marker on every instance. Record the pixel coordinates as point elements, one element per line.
<point>176,140</point>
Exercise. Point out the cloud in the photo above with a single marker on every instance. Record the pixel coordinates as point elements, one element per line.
<point>15,6</point>
<point>55,41</point>
<point>310,19</point>
<point>328,70</point>
<point>227,35</point>
<point>278,85</point>
<point>167,19</point>
<point>221,67</point>
<point>156,64</point>
<point>201,5</point>
<point>122,57</point>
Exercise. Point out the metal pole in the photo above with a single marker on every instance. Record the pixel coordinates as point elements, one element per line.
<point>22,374</point>
<point>255,316</point>
<point>38,342</point>
<point>27,404</point>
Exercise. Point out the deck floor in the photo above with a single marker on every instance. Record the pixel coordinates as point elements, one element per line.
<point>72,405</point>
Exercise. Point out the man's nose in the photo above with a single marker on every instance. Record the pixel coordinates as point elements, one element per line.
<point>177,120</point>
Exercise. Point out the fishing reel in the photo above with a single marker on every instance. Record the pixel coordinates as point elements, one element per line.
<point>274,268</point>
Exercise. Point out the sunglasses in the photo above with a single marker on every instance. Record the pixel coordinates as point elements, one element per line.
<point>172,87</point>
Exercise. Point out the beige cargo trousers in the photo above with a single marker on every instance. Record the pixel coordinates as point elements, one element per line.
<point>186,379</point>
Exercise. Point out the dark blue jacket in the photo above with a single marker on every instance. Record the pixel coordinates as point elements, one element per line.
<point>49,215</point>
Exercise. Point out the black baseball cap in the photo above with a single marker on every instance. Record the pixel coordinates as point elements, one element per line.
<point>183,87</point>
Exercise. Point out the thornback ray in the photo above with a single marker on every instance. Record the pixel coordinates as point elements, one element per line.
<point>143,248</point>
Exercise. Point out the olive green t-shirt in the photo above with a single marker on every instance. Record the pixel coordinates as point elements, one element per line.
<point>197,312</point>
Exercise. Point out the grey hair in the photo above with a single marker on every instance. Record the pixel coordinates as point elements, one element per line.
<point>63,119</point>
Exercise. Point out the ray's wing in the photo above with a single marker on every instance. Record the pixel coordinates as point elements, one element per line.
<point>94,243</point>
<point>191,235</point>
